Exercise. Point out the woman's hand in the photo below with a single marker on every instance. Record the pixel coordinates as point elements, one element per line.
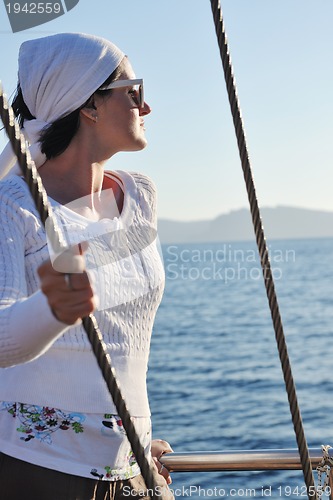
<point>158,448</point>
<point>69,295</point>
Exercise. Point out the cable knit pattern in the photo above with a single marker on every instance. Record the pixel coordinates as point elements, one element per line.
<point>48,363</point>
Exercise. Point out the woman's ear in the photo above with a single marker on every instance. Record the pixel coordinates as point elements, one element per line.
<point>90,113</point>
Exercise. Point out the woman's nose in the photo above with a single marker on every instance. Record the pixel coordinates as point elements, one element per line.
<point>145,110</point>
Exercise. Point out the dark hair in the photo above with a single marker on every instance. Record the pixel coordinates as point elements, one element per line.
<point>57,136</point>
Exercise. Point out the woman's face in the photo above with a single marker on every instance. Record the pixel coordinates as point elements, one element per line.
<point>120,125</point>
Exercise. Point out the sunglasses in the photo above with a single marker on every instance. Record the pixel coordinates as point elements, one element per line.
<point>136,92</point>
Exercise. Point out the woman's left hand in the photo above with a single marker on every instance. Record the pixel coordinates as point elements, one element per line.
<point>158,448</point>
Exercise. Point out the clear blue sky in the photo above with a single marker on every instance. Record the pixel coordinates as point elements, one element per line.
<point>282,56</point>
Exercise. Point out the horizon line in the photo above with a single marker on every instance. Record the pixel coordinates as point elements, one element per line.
<point>232,210</point>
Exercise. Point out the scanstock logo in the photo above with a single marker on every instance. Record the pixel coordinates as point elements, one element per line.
<point>23,15</point>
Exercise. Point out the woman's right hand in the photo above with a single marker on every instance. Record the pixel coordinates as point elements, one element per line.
<point>70,295</point>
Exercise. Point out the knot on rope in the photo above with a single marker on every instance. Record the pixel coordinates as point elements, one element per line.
<point>324,469</point>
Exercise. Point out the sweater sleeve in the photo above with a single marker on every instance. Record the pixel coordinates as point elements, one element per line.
<point>27,325</point>
<point>147,197</point>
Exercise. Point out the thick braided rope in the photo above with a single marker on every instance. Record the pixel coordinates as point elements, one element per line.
<point>90,325</point>
<point>262,248</point>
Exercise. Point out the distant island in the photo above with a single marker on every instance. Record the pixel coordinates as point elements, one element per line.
<point>281,222</point>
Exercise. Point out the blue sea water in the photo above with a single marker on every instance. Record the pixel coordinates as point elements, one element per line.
<point>215,381</point>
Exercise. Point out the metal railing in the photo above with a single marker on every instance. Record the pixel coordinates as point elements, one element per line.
<point>239,460</point>
<point>243,460</point>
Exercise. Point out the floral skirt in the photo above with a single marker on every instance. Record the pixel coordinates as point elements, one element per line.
<point>86,445</point>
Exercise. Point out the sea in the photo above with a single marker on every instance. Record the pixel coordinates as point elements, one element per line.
<point>215,380</point>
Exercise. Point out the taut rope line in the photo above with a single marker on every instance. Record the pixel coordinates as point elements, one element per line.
<point>263,251</point>
<point>89,323</point>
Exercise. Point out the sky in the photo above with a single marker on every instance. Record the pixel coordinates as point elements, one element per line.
<point>282,57</point>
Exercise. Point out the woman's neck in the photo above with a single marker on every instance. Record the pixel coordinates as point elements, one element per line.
<point>71,176</point>
<point>76,178</point>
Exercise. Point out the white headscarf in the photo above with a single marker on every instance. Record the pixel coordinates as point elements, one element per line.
<point>57,75</point>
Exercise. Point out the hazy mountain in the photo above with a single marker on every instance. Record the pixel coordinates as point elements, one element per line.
<point>280,222</point>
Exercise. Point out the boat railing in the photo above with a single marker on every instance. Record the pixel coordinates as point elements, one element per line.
<point>243,460</point>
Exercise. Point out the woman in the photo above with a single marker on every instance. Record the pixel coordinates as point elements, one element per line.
<point>60,437</point>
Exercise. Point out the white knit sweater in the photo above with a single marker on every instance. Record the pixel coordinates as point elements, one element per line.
<point>50,364</point>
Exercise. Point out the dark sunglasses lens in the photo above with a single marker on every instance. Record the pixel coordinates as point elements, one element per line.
<point>141,98</point>
<point>137,96</point>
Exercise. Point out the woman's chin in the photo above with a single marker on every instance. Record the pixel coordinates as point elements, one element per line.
<point>139,144</point>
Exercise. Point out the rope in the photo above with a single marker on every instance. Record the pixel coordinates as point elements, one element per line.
<point>263,251</point>
<point>324,468</point>
<point>90,325</point>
